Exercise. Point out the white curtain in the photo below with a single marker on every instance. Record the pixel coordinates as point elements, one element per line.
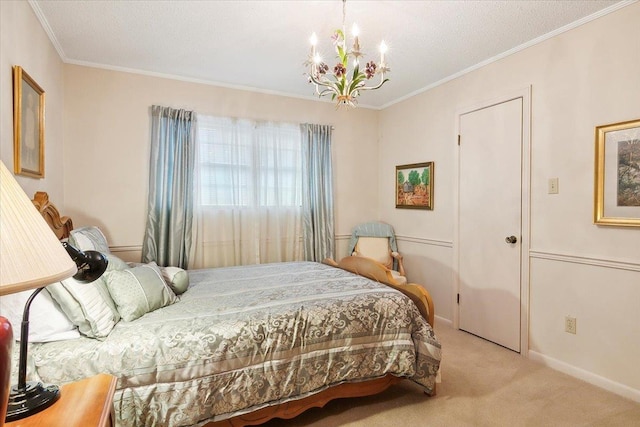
<point>248,204</point>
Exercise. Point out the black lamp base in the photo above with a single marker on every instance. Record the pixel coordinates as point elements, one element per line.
<point>34,397</point>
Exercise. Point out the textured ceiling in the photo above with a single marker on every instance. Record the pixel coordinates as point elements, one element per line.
<point>261,45</point>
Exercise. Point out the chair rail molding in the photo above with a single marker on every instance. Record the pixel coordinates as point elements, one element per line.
<point>424,241</point>
<point>593,261</point>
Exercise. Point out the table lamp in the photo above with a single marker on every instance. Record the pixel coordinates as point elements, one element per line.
<point>31,257</point>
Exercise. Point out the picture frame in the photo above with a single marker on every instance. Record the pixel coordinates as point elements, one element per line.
<point>414,186</point>
<point>28,125</point>
<point>617,174</point>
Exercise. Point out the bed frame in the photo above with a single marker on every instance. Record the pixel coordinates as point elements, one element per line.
<point>62,226</point>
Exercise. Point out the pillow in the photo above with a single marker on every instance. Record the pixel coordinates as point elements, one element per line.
<point>139,290</point>
<point>89,306</point>
<point>115,263</point>
<point>47,322</point>
<point>176,278</point>
<point>89,239</point>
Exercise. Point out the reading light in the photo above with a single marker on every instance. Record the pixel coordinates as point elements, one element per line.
<point>31,257</point>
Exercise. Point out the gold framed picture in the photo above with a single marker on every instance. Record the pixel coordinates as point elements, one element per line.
<point>617,174</point>
<point>414,186</point>
<point>28,125</point>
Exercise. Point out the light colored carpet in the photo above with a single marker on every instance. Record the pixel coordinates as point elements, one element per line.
<point>483,384</point>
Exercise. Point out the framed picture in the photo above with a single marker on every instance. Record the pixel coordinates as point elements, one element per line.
<point>28,125</point>
<point>414,186</point>
<point>617,175</point>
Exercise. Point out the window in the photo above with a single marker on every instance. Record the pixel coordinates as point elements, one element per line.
<point>248,163</point>
<point>250,188</point>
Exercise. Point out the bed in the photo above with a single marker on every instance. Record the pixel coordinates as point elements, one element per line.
<point>243,345</point>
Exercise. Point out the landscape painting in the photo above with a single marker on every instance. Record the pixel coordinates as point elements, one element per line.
<point>414,186</point>
<point>629,173</point>
<point>617,189</point>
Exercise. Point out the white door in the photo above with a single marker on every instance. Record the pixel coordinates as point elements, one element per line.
<point>490,222</point>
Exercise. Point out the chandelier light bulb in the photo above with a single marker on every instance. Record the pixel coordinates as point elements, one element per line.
<point>313,40</point>
<point>383,50</point>
<point>356,43</point>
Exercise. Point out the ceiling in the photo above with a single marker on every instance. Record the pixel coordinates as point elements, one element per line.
<point>261,45</point>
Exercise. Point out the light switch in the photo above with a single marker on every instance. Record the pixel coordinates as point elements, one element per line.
<point>553,185</point>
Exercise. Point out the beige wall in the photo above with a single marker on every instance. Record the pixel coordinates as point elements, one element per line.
<point>580,79</point>
<point>107,145</point>
<point>23,42</point>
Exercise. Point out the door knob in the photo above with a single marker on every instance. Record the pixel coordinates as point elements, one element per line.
<point>511,239</point>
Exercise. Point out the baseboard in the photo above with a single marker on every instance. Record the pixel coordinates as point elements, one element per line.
<point>442,321</point>
<point>127,253</point>
<point>590,377</point>
<point>125,248</point>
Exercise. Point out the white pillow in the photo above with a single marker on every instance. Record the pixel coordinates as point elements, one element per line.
<point>89,239</point>
<point>47,322</point>
<point>90,312</point>
<point>89,305</point>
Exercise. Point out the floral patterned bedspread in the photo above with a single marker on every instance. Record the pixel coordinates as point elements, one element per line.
<point>242,338</point>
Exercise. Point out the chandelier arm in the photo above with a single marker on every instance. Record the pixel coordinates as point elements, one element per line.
<point>327,84</point>
<point>328,91</point>
<point>329,88</point>
<point>320,82</point>
<point>378,86</point>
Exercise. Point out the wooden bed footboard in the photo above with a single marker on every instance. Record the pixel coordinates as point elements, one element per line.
<point>364,267</point>
<point>296,407</point>
<point>372,269</point>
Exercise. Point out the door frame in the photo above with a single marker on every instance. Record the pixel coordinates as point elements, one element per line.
<point>525,232</point>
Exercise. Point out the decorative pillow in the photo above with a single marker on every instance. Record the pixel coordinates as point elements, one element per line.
<point>46,321</point>
<point>176,278</point>
<point>89,239</point>
<point>139,290</point>
<point>89,305</point>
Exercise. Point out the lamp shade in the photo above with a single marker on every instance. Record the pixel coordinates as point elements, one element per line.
<point>30,254</point>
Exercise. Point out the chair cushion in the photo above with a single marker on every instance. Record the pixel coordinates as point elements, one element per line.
<point>376,248</point>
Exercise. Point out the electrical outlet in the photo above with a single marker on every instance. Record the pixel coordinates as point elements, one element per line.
<point>553,186</point>
<point>570,324</point>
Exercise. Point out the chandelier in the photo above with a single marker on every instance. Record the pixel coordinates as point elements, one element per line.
<point>342,84</point>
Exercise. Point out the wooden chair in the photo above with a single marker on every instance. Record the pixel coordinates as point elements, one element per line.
<point>377,240</point>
